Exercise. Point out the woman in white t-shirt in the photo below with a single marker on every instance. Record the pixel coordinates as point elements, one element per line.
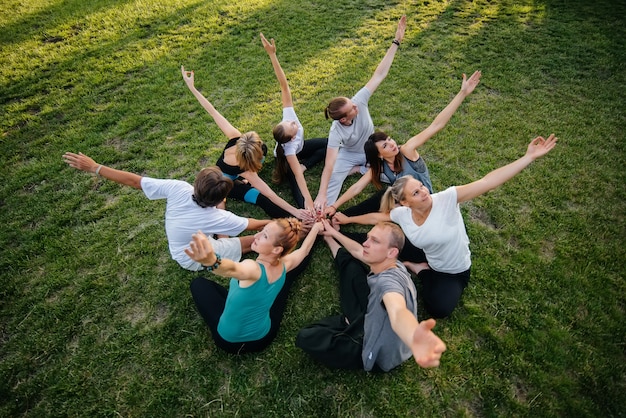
<point>434,225</point>
<point>293,154</point>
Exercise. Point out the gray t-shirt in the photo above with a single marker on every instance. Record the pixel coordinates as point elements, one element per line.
<point>352,138</point>
<point>381,345</point>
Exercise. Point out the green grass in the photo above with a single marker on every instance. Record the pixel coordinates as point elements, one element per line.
<point>96,320</point>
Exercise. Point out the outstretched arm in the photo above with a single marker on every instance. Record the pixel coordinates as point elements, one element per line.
<point>229,130</point>
<point>409,149</point>
<point>270,48</point>
<point>353,247</point>
<point>383,68</point>
<point>354,190</point>
<point>201,250</point>
<point>294,259</point>
<point>329,163</point>
<point>84,163</point>
<point>538,147</point>
<point>257,224</point>
<point>296,169</point>
<point>366,219</point>
<point>425,345</point>
<point>258,183</point>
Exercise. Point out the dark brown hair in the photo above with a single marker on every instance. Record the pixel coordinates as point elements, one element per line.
<point>211,187</point>
<point>374,160</point>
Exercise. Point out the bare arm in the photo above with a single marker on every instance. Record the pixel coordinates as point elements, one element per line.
<point>201,250</point>
<point>329,163</point>
<point>353,247</point>
<point>270,48</point>
<point>425,345</point>
<point>537,148</point>
<point>467,86</point>
<point>294,259</point>
<point>258,183</point>
<point>367,219</point>
<point>229,130</point>
<point>354,190</point>
<point>383,68</point>
<point>84,163</point>
<point>294,164</point>
<point>257,224</point>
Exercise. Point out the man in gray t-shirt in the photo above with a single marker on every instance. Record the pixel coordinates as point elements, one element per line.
<point>385,295</point>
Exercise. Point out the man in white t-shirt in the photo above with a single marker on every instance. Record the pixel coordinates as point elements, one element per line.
<point>188,209</point>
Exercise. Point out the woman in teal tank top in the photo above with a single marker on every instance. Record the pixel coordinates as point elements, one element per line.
<point>246,317</point>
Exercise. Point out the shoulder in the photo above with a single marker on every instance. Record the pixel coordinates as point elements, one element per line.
<point>400,213</point>
<point>362,96</point>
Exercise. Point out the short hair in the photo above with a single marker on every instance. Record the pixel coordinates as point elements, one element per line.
<point>249,152</point>
<point>333,110</point>
<point>396,236</point>
<point>211,187</point>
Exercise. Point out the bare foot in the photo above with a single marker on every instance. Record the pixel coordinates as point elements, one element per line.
<point>416,267</point>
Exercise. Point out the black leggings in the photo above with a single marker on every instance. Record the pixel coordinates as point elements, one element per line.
<point>369,205</point>
<point>313,151</point>
<point>210,299</point>
<point>441,292</point>
<point>246,193</point>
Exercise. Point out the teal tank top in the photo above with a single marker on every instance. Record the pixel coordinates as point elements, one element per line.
<point>246,316</point>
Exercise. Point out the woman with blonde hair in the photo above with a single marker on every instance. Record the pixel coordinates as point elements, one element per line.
<point>242,160</point>
<point>433,224</point>
<point>246,317</point>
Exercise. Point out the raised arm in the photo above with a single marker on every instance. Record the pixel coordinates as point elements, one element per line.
<point>259,184</point>
<point>229,130</point>
<point>409,149</point>
<point>425,345</point>
<point>383,68</point>
<point>84,163</point>
<point>201,250</point>
<point>294,259</point>
<point>538,147</point>
<point>329,163</point>
<point>270,48</point>
<point>353,191</point>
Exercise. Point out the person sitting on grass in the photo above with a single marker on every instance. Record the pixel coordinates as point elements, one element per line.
<point>242,159</point>
<point>387,161</point>
<point>246,317</point>
<point>188,208</point>
<point>351,126</point>
<point>378,328</point>
<point>293,154</point>
<point>434,226</point>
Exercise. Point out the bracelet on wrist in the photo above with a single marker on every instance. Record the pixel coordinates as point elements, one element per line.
<point>218,261</point>
<point>397,42</point>
<point>98,170</point>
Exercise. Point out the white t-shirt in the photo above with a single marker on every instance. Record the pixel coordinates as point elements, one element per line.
<point>352,138</point>
<point>294,146</point>
<point>183,216</point>
<point>442,236</point>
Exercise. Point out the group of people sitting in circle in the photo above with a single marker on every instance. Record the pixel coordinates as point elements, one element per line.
<point>416,231</point>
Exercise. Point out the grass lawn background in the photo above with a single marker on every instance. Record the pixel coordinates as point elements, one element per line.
<point>97,320</point>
